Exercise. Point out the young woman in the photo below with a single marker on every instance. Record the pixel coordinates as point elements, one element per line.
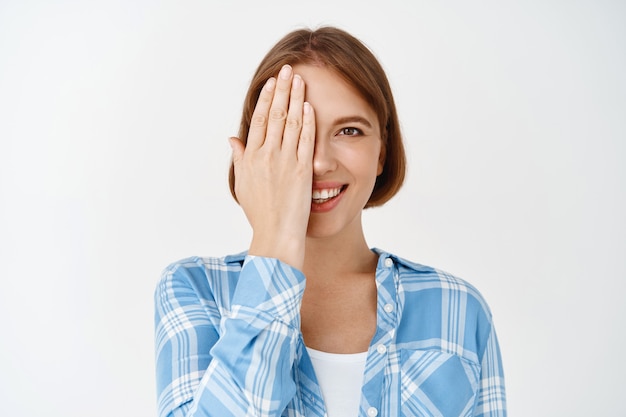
<point>310,321</point>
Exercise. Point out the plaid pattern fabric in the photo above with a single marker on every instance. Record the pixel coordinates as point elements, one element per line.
<point>228,343</point>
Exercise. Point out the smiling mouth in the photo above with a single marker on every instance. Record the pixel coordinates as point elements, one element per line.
<point>326,194</point>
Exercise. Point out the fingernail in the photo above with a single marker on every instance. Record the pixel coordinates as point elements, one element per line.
<point>297,81</point>
<point>285,72</point>
<point>307,107</point>
<point>269,85</point>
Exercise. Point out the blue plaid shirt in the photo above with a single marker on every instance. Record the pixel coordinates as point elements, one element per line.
<point>228,343</point>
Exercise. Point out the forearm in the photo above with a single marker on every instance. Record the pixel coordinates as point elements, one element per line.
<point>252,363</point>
<point>249,380</point>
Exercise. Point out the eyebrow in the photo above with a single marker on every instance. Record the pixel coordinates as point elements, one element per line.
<point>353,119</point>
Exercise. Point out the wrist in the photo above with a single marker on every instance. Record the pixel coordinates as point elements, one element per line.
<point>287,250</point>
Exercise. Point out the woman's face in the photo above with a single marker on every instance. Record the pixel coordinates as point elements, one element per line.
<point>347,156</point>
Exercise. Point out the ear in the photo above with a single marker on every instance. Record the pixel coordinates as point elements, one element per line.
<point>381,158</point>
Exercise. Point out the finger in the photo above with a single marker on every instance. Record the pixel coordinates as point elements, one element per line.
<point>278,109</point>
<point>293,124</point>
<point>258,123</point>
<point>306,144</point>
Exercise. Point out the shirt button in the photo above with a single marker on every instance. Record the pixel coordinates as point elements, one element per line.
<point>372,412</point>
<point>388,308</point>
<point>388,262</point>
<point>381,349</point>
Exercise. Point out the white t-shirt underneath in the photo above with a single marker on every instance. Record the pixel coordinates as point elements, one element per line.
<point>340,376</point>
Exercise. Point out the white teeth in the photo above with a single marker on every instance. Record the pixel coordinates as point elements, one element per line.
<point>325,194</point>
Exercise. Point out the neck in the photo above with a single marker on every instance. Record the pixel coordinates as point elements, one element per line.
<point>342,254</point>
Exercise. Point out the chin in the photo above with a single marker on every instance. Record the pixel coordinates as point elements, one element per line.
<point>318,228</point>
<point>319,233</point>
<point>326,226</point>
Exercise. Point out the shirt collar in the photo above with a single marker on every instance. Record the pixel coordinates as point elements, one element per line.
<point>236,258</point>
<point>382,256</point>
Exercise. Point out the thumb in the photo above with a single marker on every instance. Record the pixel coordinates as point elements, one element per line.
<point>237,147</point>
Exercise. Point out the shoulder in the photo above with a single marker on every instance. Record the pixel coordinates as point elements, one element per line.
<point>416,278</point>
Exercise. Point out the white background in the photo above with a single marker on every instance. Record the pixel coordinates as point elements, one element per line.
<point>114,118</point>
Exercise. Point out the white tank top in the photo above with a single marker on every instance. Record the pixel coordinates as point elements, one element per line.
<point>340,376</point>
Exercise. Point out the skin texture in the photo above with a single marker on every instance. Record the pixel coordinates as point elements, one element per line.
<point>347,150</point>
<point>274,170</point>
<point>292,150</point>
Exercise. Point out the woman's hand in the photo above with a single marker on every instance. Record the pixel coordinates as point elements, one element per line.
<point>274,173</point>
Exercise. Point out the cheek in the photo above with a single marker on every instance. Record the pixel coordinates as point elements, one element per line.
<point>364,161</point>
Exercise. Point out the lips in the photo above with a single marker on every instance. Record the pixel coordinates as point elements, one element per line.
<point>324,197</point>
<point>320,196</point>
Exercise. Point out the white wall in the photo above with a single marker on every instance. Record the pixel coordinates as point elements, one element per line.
<point>113,157</point>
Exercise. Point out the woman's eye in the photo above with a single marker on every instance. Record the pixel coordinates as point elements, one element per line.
<point>350,131</point>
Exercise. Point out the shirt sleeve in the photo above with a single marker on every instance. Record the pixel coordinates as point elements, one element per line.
<point>491,398</point>
<point>249,366</point>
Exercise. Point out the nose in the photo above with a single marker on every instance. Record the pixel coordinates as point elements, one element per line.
<point>324,160</point>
